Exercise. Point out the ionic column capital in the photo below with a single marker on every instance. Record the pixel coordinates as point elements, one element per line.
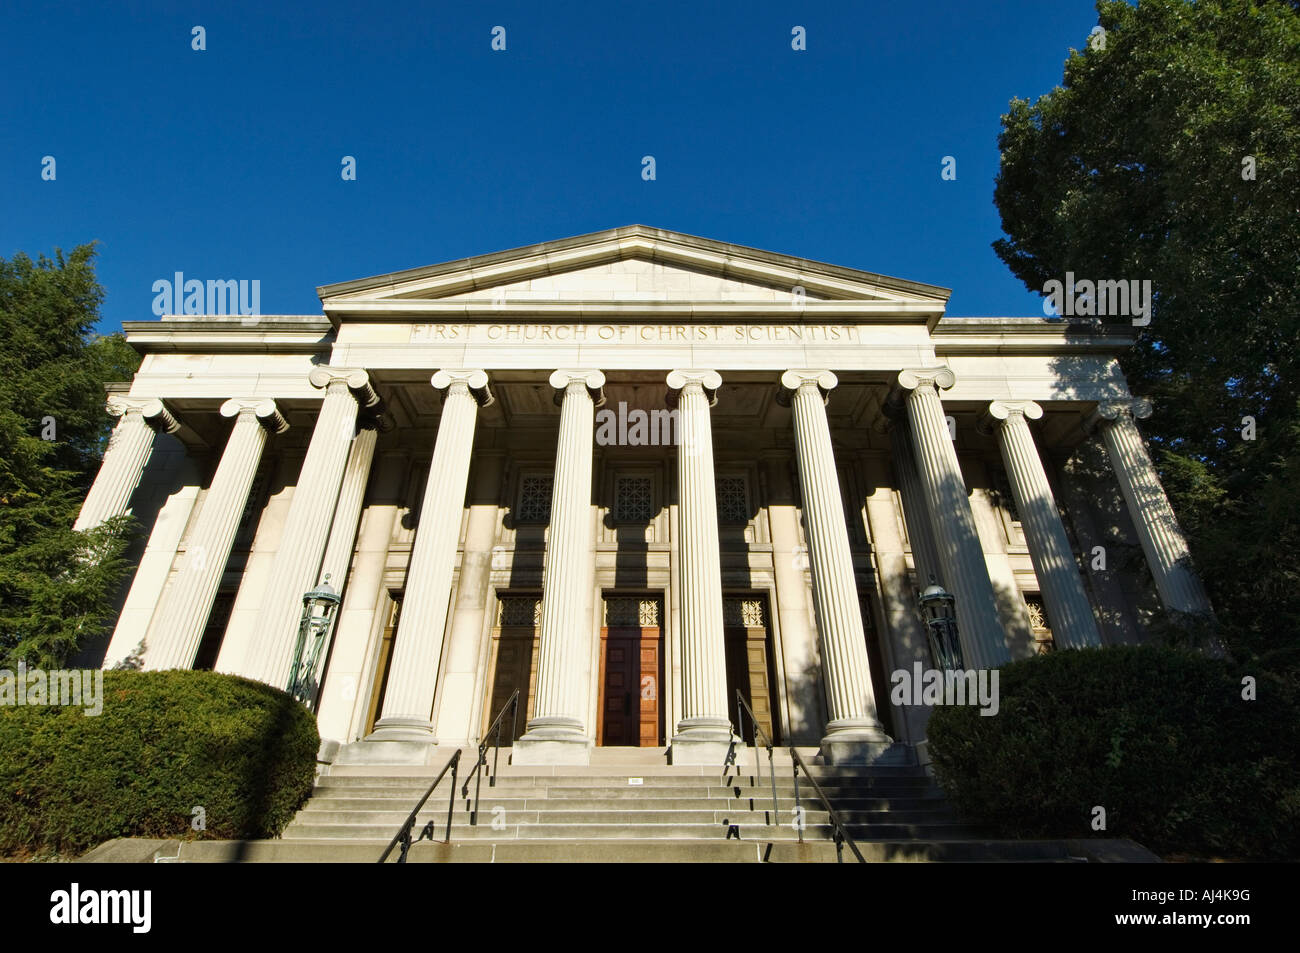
<point>999,412</point>
<point>474,379</point>
<point>356,380</point>
<point>590,378</point>
<point>912,378</point>
<point>707,381</point>
<point>151,409</point>
<point>1112,411</point>
<point>267,413</point>
<point>798,378</point>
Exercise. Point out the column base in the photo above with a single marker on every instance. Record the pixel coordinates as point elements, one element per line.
<point>552,741</point>
<point>394,741</point>
<point>860,742</point>
<point>888,754</point>
<point>701,741</point>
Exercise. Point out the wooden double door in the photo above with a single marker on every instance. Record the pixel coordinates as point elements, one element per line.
<point>631,682</point>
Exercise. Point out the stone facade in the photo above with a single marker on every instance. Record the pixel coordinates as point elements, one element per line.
<point>464,449</point>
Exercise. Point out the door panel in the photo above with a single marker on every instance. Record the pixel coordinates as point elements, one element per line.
<point>629,687</point>
<point>515,667</point>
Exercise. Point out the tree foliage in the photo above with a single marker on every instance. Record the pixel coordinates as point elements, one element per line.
<point>1171,152</point>
<point>56,585</point>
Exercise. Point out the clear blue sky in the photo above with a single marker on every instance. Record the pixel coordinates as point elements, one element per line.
<point>226,163</point>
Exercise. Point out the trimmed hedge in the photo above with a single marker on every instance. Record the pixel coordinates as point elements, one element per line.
<point>1159,737</point>
<point>165,744</point>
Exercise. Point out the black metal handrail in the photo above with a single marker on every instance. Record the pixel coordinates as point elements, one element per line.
<point>840,833</point>
<point>742,706</point>
<point>404,833</point>
<point>512,705</point>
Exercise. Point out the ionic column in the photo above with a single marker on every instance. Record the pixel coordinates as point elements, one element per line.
<point>557,732</point>
<point>296,569</point>
<point>705,730</point>
<point>124,458</point>
<point>343,531</point>
<point>1073,624</point>
<point>854,732</point>
<point>961,557</point>
<point>184,612</point>
<point>347,514</point>
<point>407,715</point>
<point>1157,527</point>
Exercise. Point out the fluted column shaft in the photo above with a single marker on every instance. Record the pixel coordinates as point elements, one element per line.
<point>699,578</point>
<point>1073,623</point>
<point>421,627</point>
<point>1153,517</point>
<point>847,671</point>
<point>347,514</point>
<point>296,569</point>
<point>916,511</point>
<point>961,557</point>
<point>124,458</point>
<point>184,612</point>
<point>560,708</point>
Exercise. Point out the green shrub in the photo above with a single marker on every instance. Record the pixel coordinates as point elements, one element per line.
<point>165,744</point>
<point>1159,737</point>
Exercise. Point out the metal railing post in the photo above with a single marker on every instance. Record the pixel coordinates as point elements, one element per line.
<point>798,821</point>
<point>451,799</point>
<point>493,729</point>
<point>771,770</point>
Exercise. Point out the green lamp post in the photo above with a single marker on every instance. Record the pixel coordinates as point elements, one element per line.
<point>319,610</point>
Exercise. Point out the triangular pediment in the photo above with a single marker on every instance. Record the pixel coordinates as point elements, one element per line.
<point>628,265</point>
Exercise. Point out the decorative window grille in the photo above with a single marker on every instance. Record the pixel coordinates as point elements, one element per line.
<point>632,610</point>
<point>519,610</point>
<point>743,611</point>
<point>535,499</point>
<point>733,499</point>
<point>633,499</point>
<point>1039,623</point>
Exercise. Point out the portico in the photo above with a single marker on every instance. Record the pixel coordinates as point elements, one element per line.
<point>431,442</point>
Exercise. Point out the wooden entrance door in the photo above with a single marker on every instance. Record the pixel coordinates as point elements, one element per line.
<point>513,661</point>
<point>630,686</point>
<point>750,663</point>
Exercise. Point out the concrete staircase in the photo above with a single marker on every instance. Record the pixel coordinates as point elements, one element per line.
<point>641,802</point>
<point>631,805</point>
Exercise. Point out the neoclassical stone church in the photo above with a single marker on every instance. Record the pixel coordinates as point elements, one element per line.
<point>460,450</point>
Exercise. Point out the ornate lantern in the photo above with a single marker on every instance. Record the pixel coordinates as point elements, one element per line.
<point>319,609</point>
<point>938,611</point>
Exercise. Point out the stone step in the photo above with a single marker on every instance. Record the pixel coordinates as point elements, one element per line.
<point>324,802</point>
<point>783,786</point>
<point>596,851</point>
<point>624,830</point>
<point>393,819</point>
<point>429,772</point>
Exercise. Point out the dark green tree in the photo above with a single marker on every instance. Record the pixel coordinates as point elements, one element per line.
<point>1171,152</point>
<point>56,585</point>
